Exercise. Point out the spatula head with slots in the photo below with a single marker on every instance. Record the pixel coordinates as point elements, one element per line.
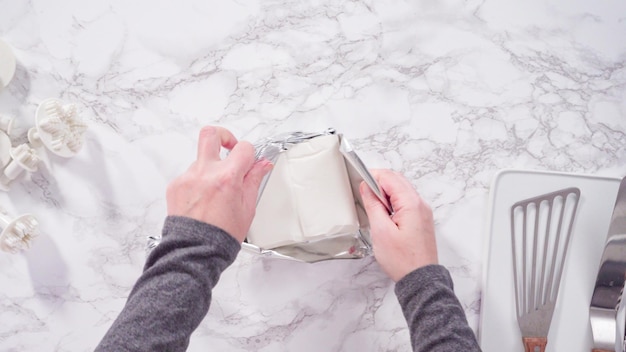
<point>540,233</point>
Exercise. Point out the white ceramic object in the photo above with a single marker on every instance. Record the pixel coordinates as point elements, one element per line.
<point>17,233</point>
<point>6,124</point>
<point>570,329</point>
<point>58,127</point>
<point>5,150</point>
<point>7,64</point>
<point>23,158</point>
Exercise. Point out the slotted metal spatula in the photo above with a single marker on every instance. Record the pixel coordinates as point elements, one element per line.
<point>540,233</point>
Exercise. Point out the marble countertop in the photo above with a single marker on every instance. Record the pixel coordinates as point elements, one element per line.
<point>447,92</point>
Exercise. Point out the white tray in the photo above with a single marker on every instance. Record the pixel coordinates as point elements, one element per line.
<point>570,329</point>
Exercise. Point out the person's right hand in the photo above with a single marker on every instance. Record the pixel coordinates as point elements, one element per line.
<point>405,241</point>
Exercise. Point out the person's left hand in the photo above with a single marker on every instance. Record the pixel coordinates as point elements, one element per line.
<point>220,192</point>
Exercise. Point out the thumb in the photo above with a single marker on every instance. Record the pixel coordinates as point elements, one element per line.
<point>376,211</point>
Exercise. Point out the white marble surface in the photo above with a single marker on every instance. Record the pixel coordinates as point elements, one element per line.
<point>447,92</point>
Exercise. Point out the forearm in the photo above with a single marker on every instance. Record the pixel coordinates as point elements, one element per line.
<point>434,315</point>
<point>173,294</point>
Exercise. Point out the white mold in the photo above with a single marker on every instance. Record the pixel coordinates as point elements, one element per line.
<point>17,233</point>
<point>7,64</point>
<point>6,124</point>
<point>5,150</point>
<point>58,128</point>
<point>23,158</point>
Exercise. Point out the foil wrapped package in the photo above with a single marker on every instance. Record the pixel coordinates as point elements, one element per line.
<point>309,207</point>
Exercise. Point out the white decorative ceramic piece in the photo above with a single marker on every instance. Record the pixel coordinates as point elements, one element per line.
<point>24,158</point>
<point>5,150</point>
<point>7,64</point>
<point>6,124</point>
<point>58,128</point>
<point>17,233</point>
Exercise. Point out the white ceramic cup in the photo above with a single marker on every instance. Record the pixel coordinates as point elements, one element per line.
<point>7,64</point>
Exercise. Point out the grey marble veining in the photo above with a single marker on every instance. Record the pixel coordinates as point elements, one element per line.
<point>446,92</point>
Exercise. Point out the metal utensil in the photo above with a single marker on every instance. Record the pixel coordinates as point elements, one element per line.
<point>608,333</point>
<point>541,228</point>
<point>620,323</point>
<point>353,159</point>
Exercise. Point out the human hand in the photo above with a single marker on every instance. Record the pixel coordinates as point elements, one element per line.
<point>220,192</point>
<point>405,241</point>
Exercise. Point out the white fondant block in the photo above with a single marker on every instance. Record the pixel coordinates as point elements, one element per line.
<point>307,197</point>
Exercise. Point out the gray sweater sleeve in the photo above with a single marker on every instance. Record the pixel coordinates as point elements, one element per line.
<point>435,317</point>
<point>172,296</point>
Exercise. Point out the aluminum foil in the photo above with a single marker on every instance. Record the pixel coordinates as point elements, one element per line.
<point>351,246</point>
